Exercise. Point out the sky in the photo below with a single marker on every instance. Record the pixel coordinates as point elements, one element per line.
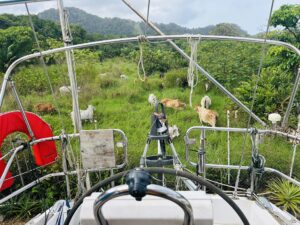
<point>250,15</point>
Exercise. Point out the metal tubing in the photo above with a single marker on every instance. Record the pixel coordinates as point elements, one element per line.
<point>271,170</point>
<point>199,68</point>
<point>9,164</point>
<point>152,189</point>
<point>55,138</point>
<point>267,169</point>
<point>243,130</point>
<point>33,183</point>
<point>8,74</point>
<point>15,2</point>
<point>65,173</point>
<point>70,64</point>
<point>292,98</point>
<point>12,85</point>
<point>202,158</point>
<point>293,158</point>
<point>201,155</point>
<point>65,169</point>
<point>26,187</point>
<point>175,155</point>
<point>19,170</point>
<point>228,146</point>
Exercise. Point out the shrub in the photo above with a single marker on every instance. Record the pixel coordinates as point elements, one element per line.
<point>176,78</point>
<point>285,195</point>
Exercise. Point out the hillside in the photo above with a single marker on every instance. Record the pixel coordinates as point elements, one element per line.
<point>116,26</point>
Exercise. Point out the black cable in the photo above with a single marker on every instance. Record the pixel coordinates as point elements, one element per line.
<point>192,177</point>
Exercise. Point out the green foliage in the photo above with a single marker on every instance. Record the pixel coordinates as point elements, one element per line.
<point>117,26</point>
<point>15,42</point>
<point>283,58</point>
<point>273,88</point>
<point>288,16</point>
<point>229,62</point>
<point>158,58</point>
<point>176,78</point>
<point>286,195</point>
<point>24,208</point>
<point>36,75</point>
<point>228,29</point>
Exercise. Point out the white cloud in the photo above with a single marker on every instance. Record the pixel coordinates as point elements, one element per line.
<point>250,15</point>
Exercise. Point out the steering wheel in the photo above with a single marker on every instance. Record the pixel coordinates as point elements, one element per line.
<point>159,170</point>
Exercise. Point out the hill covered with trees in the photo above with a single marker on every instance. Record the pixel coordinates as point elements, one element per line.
<point>118,26</point>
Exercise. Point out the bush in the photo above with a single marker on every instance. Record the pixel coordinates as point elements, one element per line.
<point>107,82</point>
<point>176,78</point>
<point>285,195</point>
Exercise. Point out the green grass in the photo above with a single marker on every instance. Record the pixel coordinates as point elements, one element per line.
<point>123,104</point>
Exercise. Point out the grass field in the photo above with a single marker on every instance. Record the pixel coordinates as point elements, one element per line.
<point>124,104</point>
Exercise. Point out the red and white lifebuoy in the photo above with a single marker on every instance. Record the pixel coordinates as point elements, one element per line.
<point>44,152</point>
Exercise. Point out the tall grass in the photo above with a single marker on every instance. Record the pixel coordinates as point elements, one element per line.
<point>124,104</point>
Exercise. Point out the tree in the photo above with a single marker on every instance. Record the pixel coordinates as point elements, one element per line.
<point>288,16</point>
<point>228,29</point>
<point>15,42</point>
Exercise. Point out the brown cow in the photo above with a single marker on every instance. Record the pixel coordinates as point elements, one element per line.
<point>207,115</point>
<point>173,103</point>
<point>44,108</point>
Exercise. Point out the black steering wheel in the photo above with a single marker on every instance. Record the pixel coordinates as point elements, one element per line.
<point>159,170</point>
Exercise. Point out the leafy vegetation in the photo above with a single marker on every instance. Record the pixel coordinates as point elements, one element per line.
<point>117,26</point>
<point>285,195</point>
<point>228,29</point>
<point>123,103</point>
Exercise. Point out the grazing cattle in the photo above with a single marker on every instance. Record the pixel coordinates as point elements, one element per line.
<point>173,103</point>
<point>207,116</point>
<point>123,77</point>
<point>87,114</point>
<point>152,99</point>
<point>173,131</point>
<point>205,102</point>
<point>44,108</point>
<point>66,90</point>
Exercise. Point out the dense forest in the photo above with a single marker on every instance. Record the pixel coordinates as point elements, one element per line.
<point>118,26</point>
<point>98,69</point>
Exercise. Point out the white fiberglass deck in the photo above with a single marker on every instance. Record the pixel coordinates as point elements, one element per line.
<point>208,210</point>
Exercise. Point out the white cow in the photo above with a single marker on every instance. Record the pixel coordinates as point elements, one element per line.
<point>173,131</point>
<point>63,90</point>
<point>206,87</point>
<point>123,77</point>
<point>207,116</point>
<point>205,102</point>
<point>87,114</point>
<point>152,99</point>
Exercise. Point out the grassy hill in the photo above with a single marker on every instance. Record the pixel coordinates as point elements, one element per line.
<point>123,104</point>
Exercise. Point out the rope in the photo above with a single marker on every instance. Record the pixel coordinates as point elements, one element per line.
<point>192,71</point>
<point>43,64</point>
<point>263,54</point>
<point>141,39</point>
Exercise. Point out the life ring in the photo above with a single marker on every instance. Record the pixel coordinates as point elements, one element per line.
<point>44,153</point>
